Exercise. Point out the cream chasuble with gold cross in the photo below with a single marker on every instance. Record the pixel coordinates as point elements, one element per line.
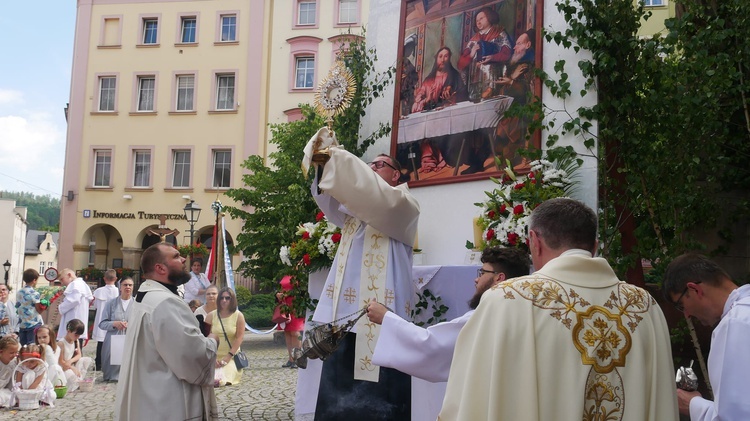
<point>569,342</point>
<point>379,224</point>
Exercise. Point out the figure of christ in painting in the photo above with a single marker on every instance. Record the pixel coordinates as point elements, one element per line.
<point>485,53</point>
<point>441,87</point>
<point>516,82</point>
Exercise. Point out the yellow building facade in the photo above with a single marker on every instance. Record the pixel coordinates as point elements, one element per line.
<point>164,107</point>
<point>304,37</point>
<point>168,98</point>
<point>661,10</point>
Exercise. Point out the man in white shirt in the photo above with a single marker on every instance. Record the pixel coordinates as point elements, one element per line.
<point>101,296</point>
<point>427,353</point>
<point>77,299</point>
<point>195,288</point>
<point>700,288</point>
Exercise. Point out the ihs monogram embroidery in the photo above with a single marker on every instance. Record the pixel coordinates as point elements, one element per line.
<point>598,334</point>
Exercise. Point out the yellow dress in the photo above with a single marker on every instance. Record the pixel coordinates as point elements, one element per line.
<point>228,373</point>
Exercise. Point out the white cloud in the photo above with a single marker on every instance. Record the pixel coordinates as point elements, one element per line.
<point>31,150</point>
<point>9,96</point>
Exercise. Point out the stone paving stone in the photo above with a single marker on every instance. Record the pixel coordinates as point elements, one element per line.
<point>265,393</point>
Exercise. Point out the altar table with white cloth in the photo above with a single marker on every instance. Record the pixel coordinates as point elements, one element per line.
<point>453,284</point>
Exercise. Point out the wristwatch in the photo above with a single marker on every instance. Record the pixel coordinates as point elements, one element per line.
<point>231,353</point>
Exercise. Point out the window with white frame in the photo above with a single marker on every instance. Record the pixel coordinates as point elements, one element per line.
<point>150,31</point>
<point>229,27</point>
<point>107,91</point>
<point>648,3</point>
<point>146,89</point>
<point>225,91</point>
<point>304,72</point>
<point>180,168</point>
<point>222,164</point>
<point>348,11</point>
<point>141,168</point>
<point>306,13</point>
<point>185,92</point>
<point>189,26</point>
<point>102,167</point>
<point>41,267</point>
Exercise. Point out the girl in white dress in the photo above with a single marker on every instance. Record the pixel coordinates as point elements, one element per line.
<point>8,350</point>
<point>51,354</point>
<point>74,365</point>
<point>31,373</point>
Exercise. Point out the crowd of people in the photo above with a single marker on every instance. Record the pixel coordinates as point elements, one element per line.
<point>567,341</point>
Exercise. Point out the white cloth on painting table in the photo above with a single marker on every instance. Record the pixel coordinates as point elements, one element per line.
<point>568,342</point>
<point>76,300</point>
<point>352,192</point>
<point>6,382</point>
<point>116,310</point>
<point>101,296</point>
<point>167,371</point>
<point>728,364</point>
<point>420,352</point>
<point>193,287</point>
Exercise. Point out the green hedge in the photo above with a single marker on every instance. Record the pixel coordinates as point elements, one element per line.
<point>243,296</point>
<point>259,310</point>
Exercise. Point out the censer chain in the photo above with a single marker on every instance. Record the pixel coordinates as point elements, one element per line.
<point>359,313</point>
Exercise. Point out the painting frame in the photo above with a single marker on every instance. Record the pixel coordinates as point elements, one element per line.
<point>461,65</point>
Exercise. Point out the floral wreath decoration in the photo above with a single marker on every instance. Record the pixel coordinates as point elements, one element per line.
<point>505,214</point>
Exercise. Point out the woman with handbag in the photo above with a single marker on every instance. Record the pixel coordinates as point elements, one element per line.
<point>292,325</point>
<point>228,323</point>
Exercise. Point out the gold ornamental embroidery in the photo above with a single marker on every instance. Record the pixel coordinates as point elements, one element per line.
<point>598,333</point>
<point>601,339</point>
<point>604,397</point>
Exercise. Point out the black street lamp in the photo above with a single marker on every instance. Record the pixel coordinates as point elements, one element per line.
<point>192,212</point>
<point>6,266</point>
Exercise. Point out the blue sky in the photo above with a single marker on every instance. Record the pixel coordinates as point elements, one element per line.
<point>36,54</point>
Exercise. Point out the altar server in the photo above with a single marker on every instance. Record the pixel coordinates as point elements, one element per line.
<point>700,288</point>
<point>568,342</point>
<point>427,352</point>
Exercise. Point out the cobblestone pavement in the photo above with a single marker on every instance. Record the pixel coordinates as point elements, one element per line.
<point>266,392</point>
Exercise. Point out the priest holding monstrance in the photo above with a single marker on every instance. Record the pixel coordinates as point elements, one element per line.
<point>378,218</point>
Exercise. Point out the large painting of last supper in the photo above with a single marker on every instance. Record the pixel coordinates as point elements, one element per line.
<point>463,64</point>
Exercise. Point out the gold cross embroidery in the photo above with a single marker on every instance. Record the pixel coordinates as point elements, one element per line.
<point>389,297</point>
<point>350,295</point>
<point>329,291</point>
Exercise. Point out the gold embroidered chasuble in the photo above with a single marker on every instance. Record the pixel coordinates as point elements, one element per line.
<point>569,342</point>
<point>379,225</point>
